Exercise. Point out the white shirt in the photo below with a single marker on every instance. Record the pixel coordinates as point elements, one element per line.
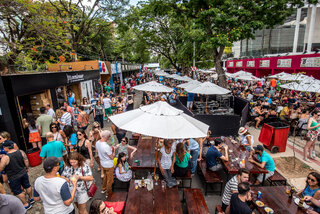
<point>51,113</point>
<point>166,159</point>
<point>49,190</point>
<point>66,119</point>
<point>106,102</point>
<point>104,151</point>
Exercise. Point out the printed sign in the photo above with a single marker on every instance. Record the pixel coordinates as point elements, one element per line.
<point>311,62</point>
<point>239,64</point>
<point>284,63</point>
<point>264,64</point>
<point>74,78</point>
<point>230,64</point>
<point>250,64</point>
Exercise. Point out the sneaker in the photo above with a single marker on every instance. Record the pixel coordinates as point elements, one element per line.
<point>28,207</point>
<point>103,191</point>
<point>314,154</point>
<point>31,201</point>
<point>307,160</point>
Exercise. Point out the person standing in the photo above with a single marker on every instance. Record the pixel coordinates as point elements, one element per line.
<point>312,135</point>
<point>43,122</point>
<point>53,148</point>
<point>190,101</point>
<point>194,150</point>
<point>54,191</point>
<point>107,106</point>
<point>82,119</point>
<point>34,135</point>
<point>106,155</point>
<point>50,112</point>
<point>166,163</point>
<point>16,164</point>
<point>10,204</point>
<point>65,119</point>
<point>98,112</point>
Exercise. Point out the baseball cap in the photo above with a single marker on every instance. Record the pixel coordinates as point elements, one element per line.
<point>51,162</point>
<point>258,148</point>
<point>8,143</point>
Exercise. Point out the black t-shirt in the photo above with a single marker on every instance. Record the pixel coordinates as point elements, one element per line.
<point>238,207</point>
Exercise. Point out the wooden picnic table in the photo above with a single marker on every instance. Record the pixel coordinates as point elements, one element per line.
<point>276,198</point>
<point>237,151</point>
<point>145,154</point>
<point>195,201</point>
<point>155,201</point>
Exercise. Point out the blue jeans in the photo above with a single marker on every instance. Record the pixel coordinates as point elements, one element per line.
<point>193,162</point>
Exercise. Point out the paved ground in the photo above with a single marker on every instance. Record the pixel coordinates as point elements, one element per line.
<point>213,199</point>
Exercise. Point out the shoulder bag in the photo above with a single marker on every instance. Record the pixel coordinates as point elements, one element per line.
<point>92,189</point>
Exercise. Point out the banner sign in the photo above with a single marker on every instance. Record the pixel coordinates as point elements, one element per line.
<point>250,64</point>
<point>284,63</point>
<point>239,64</point>
<point>264,64</point>
<point>230,64</point>
<point>311,62</point>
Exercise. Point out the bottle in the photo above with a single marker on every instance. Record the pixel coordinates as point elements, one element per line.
<point>243,162</point>
<point>58,174</point>
<point>142,182</point>
<point>291,192</point>
<point>301,202</point>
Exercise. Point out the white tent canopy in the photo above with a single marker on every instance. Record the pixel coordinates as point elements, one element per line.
<point>186,78</point>
<point>208,88</point>
<point>153,86</point>
<point>185,85</point>
<point>176,77</point>
<point>160,120</point>
<point>161,73</point>
<point>247,77</point>
<point>277,76</point>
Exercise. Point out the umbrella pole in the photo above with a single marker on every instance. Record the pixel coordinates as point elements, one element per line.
<point>155,163</point>
<point>206,104</point>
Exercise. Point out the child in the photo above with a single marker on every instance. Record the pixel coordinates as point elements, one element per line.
<point>123,171</point>
<point>34,136</point>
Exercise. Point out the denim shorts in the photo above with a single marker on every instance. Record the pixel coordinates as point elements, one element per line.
<point>16,184</point>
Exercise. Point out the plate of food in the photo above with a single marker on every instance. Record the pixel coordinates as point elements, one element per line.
<point>260,203</point>
<point>268,209</point>
<point>297,200</point>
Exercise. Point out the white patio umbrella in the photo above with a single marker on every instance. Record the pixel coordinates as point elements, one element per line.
<point>176,77</point>
<point>161,73</point>
<point>207,71</point>
<point>303,86</point>
<point>241,73</point>
<point>160,120</point>
<point>247,77</point>
<point>153,86</point>
<point>208,88</point>
<point>277,76</point>
<point>296,77</point>
<point>185,85</point>
<point>186,78</point>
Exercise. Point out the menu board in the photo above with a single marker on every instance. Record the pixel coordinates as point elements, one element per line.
<point>230,64</point>
<point>311,62</point>
<point>250,64</point>
<point>239,64</point>
<point>264,64</point>
<point>284,63</point>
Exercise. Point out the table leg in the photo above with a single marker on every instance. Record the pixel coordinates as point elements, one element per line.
<point>263,180</point>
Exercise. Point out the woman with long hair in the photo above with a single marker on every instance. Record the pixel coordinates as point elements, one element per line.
<point>97,206</point>
<point>123,171</point>
<point>181,161</point>
<point>166,162</point>
<point>312,135</point>
<point>34,136</point>
<point>123,147</point>
<point>98,113</point>
<point>312,187</point>
<point>54,128</point>
<point>70,137</point>
<point>84,147</point>
<point>76,166</point>
<point>94,136</point>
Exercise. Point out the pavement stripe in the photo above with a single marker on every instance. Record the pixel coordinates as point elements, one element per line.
<point>301,153</point>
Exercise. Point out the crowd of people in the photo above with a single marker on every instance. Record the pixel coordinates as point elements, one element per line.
<point>72,146</point>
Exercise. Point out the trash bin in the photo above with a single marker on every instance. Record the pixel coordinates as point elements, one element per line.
<point>274,136</point>
<point>33,156</point>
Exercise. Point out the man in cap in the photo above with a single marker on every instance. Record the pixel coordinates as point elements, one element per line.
<point>15,163</point>
<point>265,162</point>
<point>54,191</point>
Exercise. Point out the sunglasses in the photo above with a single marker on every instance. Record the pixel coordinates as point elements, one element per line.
<point>123,141</point>
<point>54,127</point>
<point>79,134</point>
<point>311,179</point>
<point>103,210</point>
<point>97,127</point>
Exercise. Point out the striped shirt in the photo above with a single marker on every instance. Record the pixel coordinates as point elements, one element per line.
<point>232,185</point>
<point>66,119</point>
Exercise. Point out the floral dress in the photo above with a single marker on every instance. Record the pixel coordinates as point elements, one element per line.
<point>126,176</point>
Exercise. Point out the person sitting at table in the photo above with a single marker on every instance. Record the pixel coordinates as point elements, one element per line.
<point>166,164</point>
<point>214,153</point>
<point>232,186</point>
<point>314,203</point>
<point>265,162</point>
<point>246,139</point>
<point>238,202</point>
<point>181,161</point>
<point>194,148</point>
<point>123,146</point>
<point>123,171</point>
<point>312,187</point>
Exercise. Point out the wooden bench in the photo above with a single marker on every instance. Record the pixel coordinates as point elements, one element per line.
<point>187,177</point>
<point>195,201</point>
<point>218,209</point>
<point>277,178</point>
<point>117,184</point>
<point>210,177</point>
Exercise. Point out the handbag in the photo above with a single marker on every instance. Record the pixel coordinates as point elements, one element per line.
<point>91,191</point>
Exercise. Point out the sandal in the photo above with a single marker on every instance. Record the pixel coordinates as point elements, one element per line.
<point>307,160</point>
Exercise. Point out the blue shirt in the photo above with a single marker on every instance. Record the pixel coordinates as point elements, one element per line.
<point>53,149</point>
<point>70,101</point>
<point>73,139</point>
<point>190,96</point>
<point>265,157</point>
<point>194,145</point>
<point>211,157</point>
